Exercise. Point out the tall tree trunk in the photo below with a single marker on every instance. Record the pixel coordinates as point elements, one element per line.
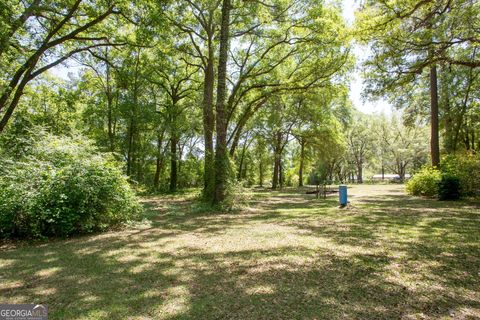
<point>221,155</point>
<point>240,165</point>
<point>173,163</point>
<point>159,163</point>
<point>434,139</point>
<point>209,124</point>
<point>109,93</point>
<point>302,160</point>
<point>360,173</point>
<point>402,173</point>
<point>277,157</point>
<point>180,147</point>
<point>158,170</point>
<point>276,171</point>
<point>12,105</point>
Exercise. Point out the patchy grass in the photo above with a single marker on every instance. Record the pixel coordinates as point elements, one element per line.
<point>288,256</point>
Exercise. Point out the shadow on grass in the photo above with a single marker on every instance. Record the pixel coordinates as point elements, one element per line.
<point>386,258</point>
<point>245,284</point>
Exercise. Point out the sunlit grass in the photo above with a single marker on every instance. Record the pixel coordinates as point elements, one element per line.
<point>287,255</point>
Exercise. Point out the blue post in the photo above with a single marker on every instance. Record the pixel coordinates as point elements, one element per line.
<point>342,192</point>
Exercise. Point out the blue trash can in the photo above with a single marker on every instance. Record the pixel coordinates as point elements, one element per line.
<point>342,193</point>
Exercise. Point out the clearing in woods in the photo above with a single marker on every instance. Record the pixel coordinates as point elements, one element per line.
<point>288,256</point>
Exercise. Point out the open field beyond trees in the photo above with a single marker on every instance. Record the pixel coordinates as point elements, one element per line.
<point>287,256</point>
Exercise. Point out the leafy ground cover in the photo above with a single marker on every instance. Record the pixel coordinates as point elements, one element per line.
<point>288,256</point>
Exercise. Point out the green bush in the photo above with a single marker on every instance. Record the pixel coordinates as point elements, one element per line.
<point>449,187</point>
<point>466,167</point>
<point>425,182</point>
<point>63,186</point>
<point>459,176</point>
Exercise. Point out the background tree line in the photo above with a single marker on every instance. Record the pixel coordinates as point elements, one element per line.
<point>208,93</point>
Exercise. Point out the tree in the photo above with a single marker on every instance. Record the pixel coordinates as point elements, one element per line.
<point>222,164</point>
<point>101,62</point>
<point>360,141</point>
<point>278,48</point>
<point>319,113</point>
<point>175,78</point>
<point>42,37</point>
<point>408,37</point>
<point>142,83</point>
<point>459,106</point>
<point>401,147</point>
<point>196,19</point>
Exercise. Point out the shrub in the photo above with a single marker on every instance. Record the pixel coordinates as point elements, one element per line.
<point>425,182</point>
<point>237,197</point>
<point>466,167</point>
<point>449,187</point>
<point>63,186</point>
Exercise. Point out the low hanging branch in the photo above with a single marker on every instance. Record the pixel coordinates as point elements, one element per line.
<point>53,39</point>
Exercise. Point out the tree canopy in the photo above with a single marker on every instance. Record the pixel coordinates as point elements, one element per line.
<point>214,94</point>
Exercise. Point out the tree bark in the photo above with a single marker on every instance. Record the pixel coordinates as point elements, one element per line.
<point>276,171</point>
<point>277,158</point>
<point>208,125</point>
<point>240,166</point>
<point>360,173</point>
<point>434,138</point>
<point>221,155</point>
<point>109,94</point>
<point>158,170</point>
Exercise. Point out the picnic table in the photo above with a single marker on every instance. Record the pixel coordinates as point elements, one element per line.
<point>323,189</point>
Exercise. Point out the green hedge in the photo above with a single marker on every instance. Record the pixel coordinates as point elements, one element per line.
<point>61,187</point>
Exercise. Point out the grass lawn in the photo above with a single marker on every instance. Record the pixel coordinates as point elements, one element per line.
<point>289,256</point>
